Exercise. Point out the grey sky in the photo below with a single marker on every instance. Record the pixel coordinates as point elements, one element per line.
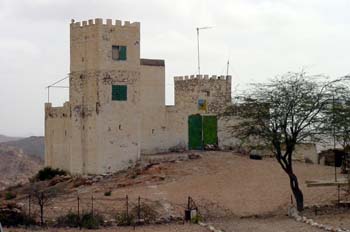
<point>261,38</point>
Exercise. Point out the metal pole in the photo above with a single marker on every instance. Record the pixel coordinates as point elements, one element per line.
<point>335,167</point>
<point>127,206</point>
<point>78,207</point>
<point>29,204</point>
<point>139,209</point>
<point>48,94</point>
<point>92,206</point>
<point>228,65</point>
<point>199,67</point>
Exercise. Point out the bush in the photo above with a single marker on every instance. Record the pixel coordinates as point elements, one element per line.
<point>147,213</point>
<point>86,220</point>
<point>124,219</point>
<point>12,217</point>
<point>10,195</point>
<point>91,221</point>
<point>69,220</point>
<point>48,173</point>
<point>108,193</point>
<point>196,219</point>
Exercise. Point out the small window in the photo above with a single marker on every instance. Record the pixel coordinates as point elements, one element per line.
<point>118,52</point>
<point>119,92</point>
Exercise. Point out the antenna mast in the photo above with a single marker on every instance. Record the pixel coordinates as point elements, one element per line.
<point>198,56</point>
<point>228,66</point>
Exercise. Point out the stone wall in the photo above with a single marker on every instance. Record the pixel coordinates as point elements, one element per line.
<point>57,129</point>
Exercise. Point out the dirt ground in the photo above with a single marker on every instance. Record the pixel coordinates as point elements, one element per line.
<point>225,186</point>
<point>224,181</point>
<point>158,228</point>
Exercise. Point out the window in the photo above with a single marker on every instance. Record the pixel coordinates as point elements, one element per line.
<point>119,92</point>
<point>118,52</point>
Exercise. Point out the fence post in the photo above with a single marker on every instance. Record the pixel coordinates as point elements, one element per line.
<point>139,209</point>
<point>127,206</point>
<point>29,204</point>
<point>79,220</point>
<point>92,205</point>
<point>42,208</point>
<point>78,206</point>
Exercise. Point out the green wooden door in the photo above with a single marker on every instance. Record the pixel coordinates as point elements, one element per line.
<point>195,132</point>
<point>210,128</point>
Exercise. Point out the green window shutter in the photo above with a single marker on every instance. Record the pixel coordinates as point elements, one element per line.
<point>122,52</point>
<point>119,92</point>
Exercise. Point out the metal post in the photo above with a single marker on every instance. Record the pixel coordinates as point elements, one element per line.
<point>188,202</point>
<point>199,68</point>
<point>139,209</point>
<point>78,198</point>
<point>29,204</point>
<point>127,206</point>
<point>92,205</point>
<point>48,94</point>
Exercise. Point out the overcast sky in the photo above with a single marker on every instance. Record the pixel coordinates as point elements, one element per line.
<point>261,38</point>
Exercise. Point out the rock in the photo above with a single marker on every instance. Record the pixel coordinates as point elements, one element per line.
<point>194,156</point>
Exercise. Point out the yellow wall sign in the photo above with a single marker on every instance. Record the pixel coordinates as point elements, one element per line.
<point>202,104</point>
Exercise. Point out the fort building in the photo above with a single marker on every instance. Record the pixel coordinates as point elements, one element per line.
<point>116,110</point>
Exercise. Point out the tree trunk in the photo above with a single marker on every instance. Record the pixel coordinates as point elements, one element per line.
<point>41,215</point>
<point>298,194</point>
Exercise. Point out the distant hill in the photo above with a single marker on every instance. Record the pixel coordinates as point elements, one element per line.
<point>4,138</point>
<point>16,167</point>
<point>31,146</point>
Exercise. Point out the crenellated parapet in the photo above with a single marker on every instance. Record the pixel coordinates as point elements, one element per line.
<point>202,77</point>
<point>57,112</point>
<point>102,22</point>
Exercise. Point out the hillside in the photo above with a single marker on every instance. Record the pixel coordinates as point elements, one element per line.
<point>16,167</point>
<point>4,138</point>
<point>31,146</point>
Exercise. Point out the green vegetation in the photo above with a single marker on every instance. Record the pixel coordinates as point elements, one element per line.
<point>124,219</point>
<point>11,217</point>
<point>108,193</point>
<point>48,173</point>
<point>86,220</point>
<point>10,195</point>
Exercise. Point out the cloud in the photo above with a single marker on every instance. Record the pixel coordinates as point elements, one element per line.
<point>261,38</point>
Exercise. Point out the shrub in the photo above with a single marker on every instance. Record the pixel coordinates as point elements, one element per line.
<point>196,219</point>
<point>86,220</point>
<point>147,213</point>
<point>108,193</point>
<point>91,221</point>
<point>12,217</point>
<point>10,195</point>
<point>124,219</point>
<point>69,220</point>
<point>48,173</point>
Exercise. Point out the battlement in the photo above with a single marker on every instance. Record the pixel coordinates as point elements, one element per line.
<point>107,22</point>
<point>57,112</point>
<point>202,77</point>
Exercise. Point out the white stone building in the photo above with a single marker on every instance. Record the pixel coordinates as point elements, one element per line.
<point>116,109</point>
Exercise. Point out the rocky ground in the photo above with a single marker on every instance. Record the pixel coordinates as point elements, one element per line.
<point>233,192</point>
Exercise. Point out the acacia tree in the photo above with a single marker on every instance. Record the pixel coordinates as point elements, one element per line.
<point>283,112</point>
<point>42,198</point>
<point>339,115</point>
